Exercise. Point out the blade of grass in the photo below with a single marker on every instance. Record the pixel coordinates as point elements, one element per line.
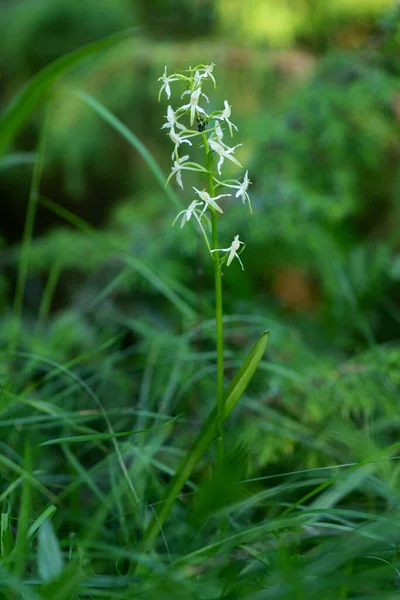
<point>99,436</point>
<point>246,536</point>
<point>17,159</point>
<point>50,561</point>
<point>27,237</point>
<point>126,258</point>
<point>48,294</point>
<point>28,477</point>
<point>39,87</point>
<point>46,514</point>
<point>112,120</point>
<point>83,473</point>
<point>6,536</point>
<point>21,543</point>
<point>70,374</point>
<point>205,437</point>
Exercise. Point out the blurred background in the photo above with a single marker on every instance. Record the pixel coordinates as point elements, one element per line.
<point>314,89</point>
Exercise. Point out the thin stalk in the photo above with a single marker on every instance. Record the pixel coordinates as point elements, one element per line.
<point>21,544</point>
<point>218,312</point>
<point>26,245</point>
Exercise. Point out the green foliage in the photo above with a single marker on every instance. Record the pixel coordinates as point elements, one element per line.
<point>50,559</point>
<point>36,33</point>
<point>110,373</point>
<point>282,23</point>
<point>328,176</point>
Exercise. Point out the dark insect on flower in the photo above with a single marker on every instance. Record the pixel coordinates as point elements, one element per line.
<point>201,123</point>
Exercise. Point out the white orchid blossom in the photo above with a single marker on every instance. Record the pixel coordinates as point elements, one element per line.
<point>192,210</point>
<point>166,80</point>
<point>208,201</point>
<point>180,164</point>
<point>219,134</point>
<point>242,189</point>
<point>194,104</point>
<point>224,116</point>
<point>207,72</point>
<point>188,212</point>
<point>172,121</point>
<point>178,139</point>
<point>233,251</point>
<point>224,152</point>
<point>195,85</point>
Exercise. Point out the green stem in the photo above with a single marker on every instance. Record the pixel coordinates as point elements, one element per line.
<point>218,312</point>
<point>220,345</point>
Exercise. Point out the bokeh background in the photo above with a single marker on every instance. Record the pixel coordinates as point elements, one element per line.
<point>314,89</point>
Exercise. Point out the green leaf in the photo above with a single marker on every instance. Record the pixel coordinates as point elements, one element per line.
<point>135,142</point>
<point>152,277</point>
<point>242,378</point>
<point>205,437</point>
<point>95,437</point>
<point>28,477</point>
<point>66,586</point>
<point>6,537</point>
<point>50,560</point>
<point>38,88</point>
<point>17,159</point>
<point>46,514</point>
<point>246,536</point>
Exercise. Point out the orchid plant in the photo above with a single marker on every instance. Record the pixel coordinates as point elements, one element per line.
<point>204,207</point>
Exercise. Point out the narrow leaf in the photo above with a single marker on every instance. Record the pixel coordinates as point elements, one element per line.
<point>50,559</point>
<point>95,437</point>
<point>46,514</point>
<point>205,437</point>
<point>246,536</point>
<point>37,89</point>
<point>133,140</point>
<point>17,159</point>
<point>152,277</point>
<point>6,537</point>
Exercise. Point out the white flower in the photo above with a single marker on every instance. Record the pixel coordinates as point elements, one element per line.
<point>207,72</point>
<point>166,81</point>
<point>178,139</point>
<point>219,134</point>
<point>195,85</point>
<point>224,152</point>
<point>208,201</point>
<point>233,248</point>
<point>242,189</point>
<point>188,212</point>
<point>194,104</point>
<point>172,120</point>
<point>224,116</point>
<point>179,166</point>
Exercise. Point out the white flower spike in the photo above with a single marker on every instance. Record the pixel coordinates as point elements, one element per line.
<point>224,116</point>
<point>242,189</point>
<point>166,80</point>
<point>194,104</point>
<point>188,212</point>
<point>172,121</point>
<point>224,152</point>
<point>208,201</point>
<point>233,251</point>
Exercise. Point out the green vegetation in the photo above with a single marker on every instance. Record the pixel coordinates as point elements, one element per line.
<point>110,484</point>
